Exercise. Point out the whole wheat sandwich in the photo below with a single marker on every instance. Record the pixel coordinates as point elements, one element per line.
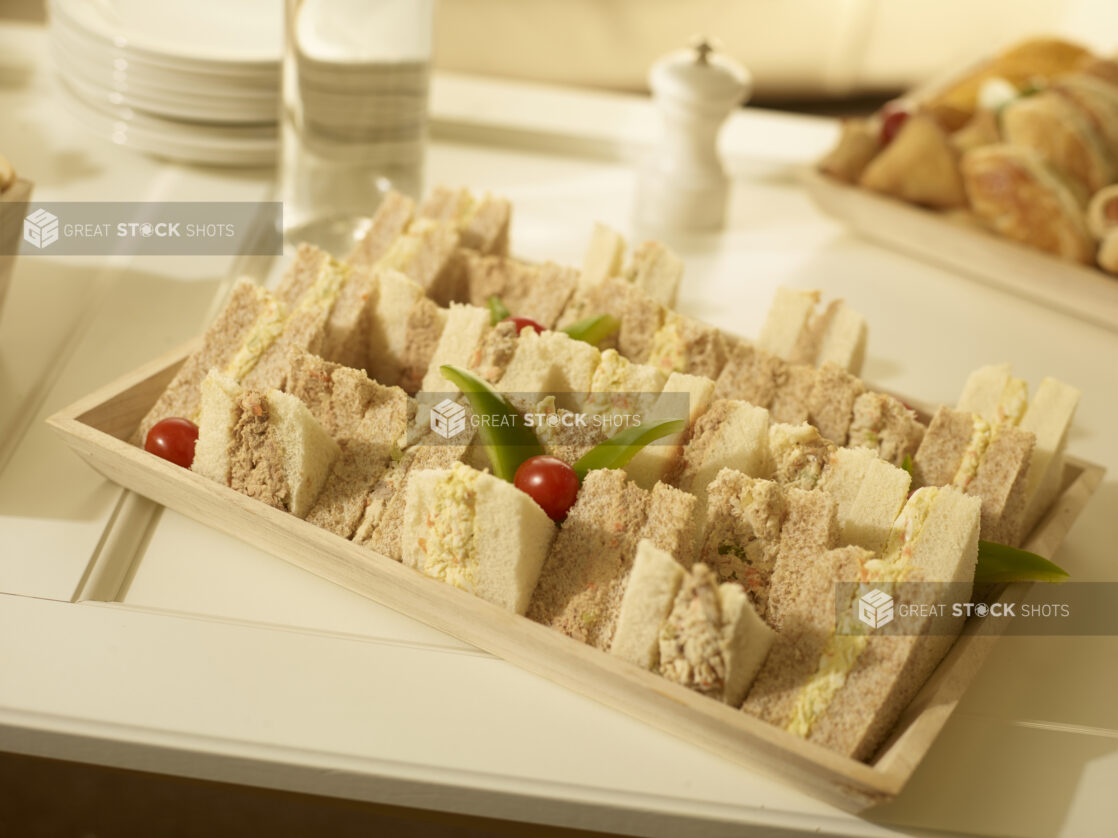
<point>585,573</point>
<point>832,682</point>
<point>368,421</point>
<point>476,532</point>
<point>266,445</point>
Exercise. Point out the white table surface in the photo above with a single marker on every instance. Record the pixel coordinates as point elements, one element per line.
<point>212,659</point>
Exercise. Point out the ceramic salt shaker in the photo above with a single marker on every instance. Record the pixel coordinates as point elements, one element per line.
<point>683,185</point>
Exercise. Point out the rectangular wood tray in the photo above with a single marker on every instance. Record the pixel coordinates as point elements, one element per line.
<point>1087,293</point>
<point>97,426</point>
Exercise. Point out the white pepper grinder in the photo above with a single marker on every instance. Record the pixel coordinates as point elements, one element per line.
<point>683,185</point>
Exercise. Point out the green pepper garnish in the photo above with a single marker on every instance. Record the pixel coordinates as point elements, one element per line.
<point>498,311</point>
<point>906,464</point>
<point>619,449</point>
<point>1002,563</point>
<point>593,330</point>
<point>506,437</point>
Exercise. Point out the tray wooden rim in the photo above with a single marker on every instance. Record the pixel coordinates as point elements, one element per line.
<point>96,428</point>
<point>1088,294</point>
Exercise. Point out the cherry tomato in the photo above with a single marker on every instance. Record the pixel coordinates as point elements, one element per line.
<point>550,482</point>
<point>173,439</point>
<point>893,116</point>
<point>523,323</point>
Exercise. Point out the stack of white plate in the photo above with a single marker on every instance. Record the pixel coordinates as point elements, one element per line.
<point>191,80</point>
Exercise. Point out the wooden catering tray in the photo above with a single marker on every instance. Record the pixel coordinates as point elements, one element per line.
<point>97,426</point>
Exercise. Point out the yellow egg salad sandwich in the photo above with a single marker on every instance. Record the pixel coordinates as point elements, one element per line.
<point>836,683</point>
<point>476,532</point>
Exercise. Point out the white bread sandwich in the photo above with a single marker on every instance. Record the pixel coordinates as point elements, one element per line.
<point>869,492</point>
<point>684,397</point>
<point>404,329</point>
<point>391,219</point>
<point>729,435</point>
<point>482,224</point>
<point>604,257</point>
<point>836,684</point>
<point>689,628</point>
<point>683,344</point>
<point>795,331</point>
<point>249,322</point>
<point>1048,417</point>
<point>656,271</point>
<point>459,343</point>
<point>382,523</point>
<point>368,421</point>
<point>539,292</point>
<point>618,385</point>
<point>988,461</point>
<point>649,596</point>
<point>550,363</point>
<point>883,424</point>
<point>427,253</point>
<point>476,532</point>
<point>652,268</point>
<point>1002,400</point>
<point>265,445</point>
<point>584,577</point>
<point>712,640</point>
<point>994,394</point>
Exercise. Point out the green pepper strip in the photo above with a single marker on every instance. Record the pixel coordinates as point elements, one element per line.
<point>619,449</point>
<point>508,440</point>
<point>498,311</point>
<point>593,330</point>
<point>1002,563</point>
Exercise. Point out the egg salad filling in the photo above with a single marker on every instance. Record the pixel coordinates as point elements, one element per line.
<point>263,333</point>
<point>610,385</point>
<point>848,642</point>
<point>405,248</point>
<point>669,349</point>
<point>451,542</point>
<point>1009,411</point>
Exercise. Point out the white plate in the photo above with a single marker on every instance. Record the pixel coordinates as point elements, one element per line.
<point>121,87</point>
<point>122,69</point>
<point>174,141</point>
<point>90,86</point>
<point>190,34</point>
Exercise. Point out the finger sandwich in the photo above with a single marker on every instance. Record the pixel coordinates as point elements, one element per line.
<point>476,532</point>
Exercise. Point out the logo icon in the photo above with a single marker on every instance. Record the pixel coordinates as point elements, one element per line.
<point>40,228</point>
<point>448,418</point>
<point>875,609</point>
